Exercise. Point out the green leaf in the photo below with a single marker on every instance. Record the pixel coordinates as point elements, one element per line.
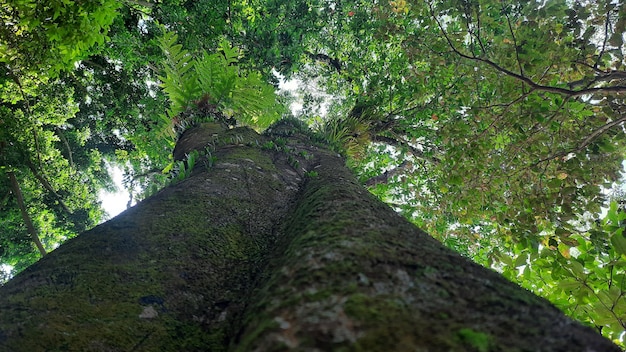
<point>521,260</point>
<point>168,168</point>
<point>569,284</point>
<point>619,243</point>
<point>577,269</point>
<point>455,180</point>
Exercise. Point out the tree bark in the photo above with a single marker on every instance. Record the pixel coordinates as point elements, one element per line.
<point>271,247</point>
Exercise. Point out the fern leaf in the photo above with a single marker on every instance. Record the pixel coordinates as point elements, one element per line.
<point>231,54</point>
<point>185,80</point>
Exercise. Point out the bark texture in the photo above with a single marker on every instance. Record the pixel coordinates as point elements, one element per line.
<point>271,245</point>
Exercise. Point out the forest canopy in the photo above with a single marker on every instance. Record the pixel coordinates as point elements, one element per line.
<point>496,126</point>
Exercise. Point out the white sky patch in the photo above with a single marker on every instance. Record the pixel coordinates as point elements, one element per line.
<point>298,88</point>
<point>115,202</point>
<point>621,185</point>
<point>292,86</point>
<point>7,270</point>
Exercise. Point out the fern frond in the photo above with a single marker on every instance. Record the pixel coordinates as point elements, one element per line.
<point>180,81</point>
<point>350,134</point>
<point>186,80</point>
<point>231,55</point>
<point>165,129</point>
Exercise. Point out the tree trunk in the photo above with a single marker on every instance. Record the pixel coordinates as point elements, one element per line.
<point>270,245</point>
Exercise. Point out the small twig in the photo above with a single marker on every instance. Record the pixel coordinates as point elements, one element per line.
<point>607,23</point>
<point>519,62</point>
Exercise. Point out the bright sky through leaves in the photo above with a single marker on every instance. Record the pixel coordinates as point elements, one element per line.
<point>115,202</point>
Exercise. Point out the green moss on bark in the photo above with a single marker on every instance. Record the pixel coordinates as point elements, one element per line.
<point>189,270</point>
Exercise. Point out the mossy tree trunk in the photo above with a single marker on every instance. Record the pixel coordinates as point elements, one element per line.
<point>271,245</point>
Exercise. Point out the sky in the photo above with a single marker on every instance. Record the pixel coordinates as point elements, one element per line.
<point>115,202</point>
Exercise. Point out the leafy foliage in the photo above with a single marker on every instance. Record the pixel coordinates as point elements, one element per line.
<point>211,87</point>
<point>49,37</point>
<point>494,125</point>
<point>217,79</point>
<point>582,271</point>
<point>43,151</point>
<point>502,119</point>
<point>349,135</point>
<point>38,149</point>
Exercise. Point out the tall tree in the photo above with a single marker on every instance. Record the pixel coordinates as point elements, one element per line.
<point>437,100</point>
<point>493,125</point>
<point>270,244</point>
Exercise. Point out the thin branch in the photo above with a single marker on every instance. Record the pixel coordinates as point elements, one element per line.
<point>538,127</point>
<point>468,17</point>
<point>501,115</point>
<point>536,86</point>
<point>478,25</point>
<point>588,66</point>
<point>400,144</point>
<point>528,81</point>
<point>67,145</point>
<point>599,131</point>
<point>504,105</point>
<point>603,77</point>
<point>335,63</point>
<point>519,62</point>
<point>385,176</point>
<point>150,172</point>
<point>607,23</point>
<point>402,111</point>
<point>27,220</point>
<point>44,182</point>
<point>595,134</point>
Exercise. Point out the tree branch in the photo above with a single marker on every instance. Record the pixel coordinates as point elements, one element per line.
<point>519,63</point>
<point>67,145</point>
<point>335,63</point>
<point>607,23</point>
<point>528,81</point>
<point>44,182</point>
<point>599,131</point>
<point>385,176</point>
<point>20,203</point>
<point>595,134</point>
<point>400,144</point>
<point>603,77</point>
<point>146,174</point>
